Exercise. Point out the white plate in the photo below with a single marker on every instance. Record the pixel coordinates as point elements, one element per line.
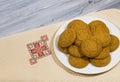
<point>89,69</point>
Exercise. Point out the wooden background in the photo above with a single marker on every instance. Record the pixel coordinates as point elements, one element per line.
<point>21,15</point>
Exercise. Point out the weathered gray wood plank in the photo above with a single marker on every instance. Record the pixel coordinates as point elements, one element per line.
<point>21,15</point>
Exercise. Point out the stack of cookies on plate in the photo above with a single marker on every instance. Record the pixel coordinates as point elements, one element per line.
<point>87,43</point>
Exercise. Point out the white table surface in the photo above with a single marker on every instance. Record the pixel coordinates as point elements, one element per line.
<point>21,15</point>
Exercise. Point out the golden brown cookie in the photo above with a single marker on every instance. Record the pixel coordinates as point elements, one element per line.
<point>100,32</point>
<point>98,25</point>
<point>104,53</point>
<point>64,50</point>
<point>91,48</point>
<point>114,43</point>
<point>101,62</point>
<point>67,38</point>
<point>77,24</point>
<point>82,30</point>
<point>74,51</point>
<point>83,34</point>
<point>104,38</point>
<point>78,62</point>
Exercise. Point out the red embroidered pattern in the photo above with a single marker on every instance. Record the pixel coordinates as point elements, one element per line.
<point>38,49</point>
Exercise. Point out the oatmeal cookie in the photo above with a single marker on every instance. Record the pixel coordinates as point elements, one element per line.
<point>67,38</point>
<point>91,48</point>
<point>98,25</point>
<point>101,62</point>
<point>101,32</point>
<point>77,24</point>
<point>78,62</point>
<point>114,43</point>
<point>82,30</point>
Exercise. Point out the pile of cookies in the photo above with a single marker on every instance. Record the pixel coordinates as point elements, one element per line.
<point>87,43</point>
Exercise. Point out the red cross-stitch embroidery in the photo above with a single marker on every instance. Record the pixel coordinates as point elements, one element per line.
<point>38,49</point>
<point>32,61</point>
<point>44,38</point>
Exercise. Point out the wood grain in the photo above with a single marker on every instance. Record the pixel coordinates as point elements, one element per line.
<point>21,15</point>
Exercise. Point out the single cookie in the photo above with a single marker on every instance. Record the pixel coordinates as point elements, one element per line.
<point>91,48</point>
<point>67,38</point>
<point>104,38</point>
<point>83,34</point>
<point>101,62</point>
<point>104,53</point>
<point>78,62</point>
<point>101,32</point>
<point>114,44</point>
<point>77,24</point>
<point>98,25</point>
<point>82,30</point>
<point>74,51</point>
